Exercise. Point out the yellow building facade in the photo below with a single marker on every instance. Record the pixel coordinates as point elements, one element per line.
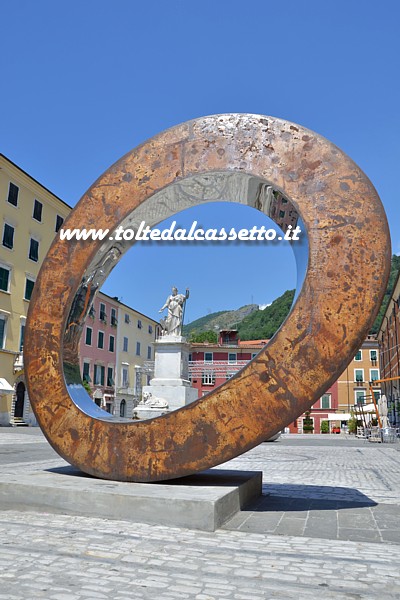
<point>31,215</point>
<point>353,384</point>
<point>135,355</point>
<point>30,218</point>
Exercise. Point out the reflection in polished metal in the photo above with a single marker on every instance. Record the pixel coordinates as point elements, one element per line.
<point>282,169</point>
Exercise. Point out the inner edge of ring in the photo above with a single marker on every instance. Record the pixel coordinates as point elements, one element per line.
<point>218,186</point>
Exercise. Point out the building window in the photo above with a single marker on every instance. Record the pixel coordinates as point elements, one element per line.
<point>86,372</point>
<point>3,323</point>
<point>232,359</point>
<point>13,191</point>
<point>358,356</point>
<point>139,324</point>
<point>34,250</point>
<point>114,321</point>
<point>254,354</point>
<point>125,345</point>
<point>88,338</point>
<point>190,357</point>
<point>326,401</point>
<point>360,397</point>
<point>122,408</point>
<point>29,283</point>
<point>4,279</point>
<point>377,394</point>
<point>102,315</point>
<point>208,357</point>
<point>111,343</point>
<point>8,236</point>
<point>137,348</point>
<point>99,372</point>
<point>21,337</point>
<point>150,329</point>
<point>281,214</point>
<point>148,352</point>
<point>37,210</point>
<point>59,222</point>
<point>358,375</point>
<point>374,374</point>
<point>208,378</point>
<point>125,378</point>
<point>110,377</point>
<point>373,354</point>
<point>127,318</point>
<point>100,339</point>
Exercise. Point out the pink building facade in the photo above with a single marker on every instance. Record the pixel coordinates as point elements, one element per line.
<point>97,352</point>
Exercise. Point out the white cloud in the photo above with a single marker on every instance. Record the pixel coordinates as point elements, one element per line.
<point>262,306</point>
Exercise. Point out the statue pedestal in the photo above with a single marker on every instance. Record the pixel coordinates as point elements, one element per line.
<point>170,381</point>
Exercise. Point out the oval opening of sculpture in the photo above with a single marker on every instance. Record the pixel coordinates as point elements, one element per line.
<point>278,210</point>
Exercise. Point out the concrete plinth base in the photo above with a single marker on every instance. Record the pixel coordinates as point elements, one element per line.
<point>203,501</point>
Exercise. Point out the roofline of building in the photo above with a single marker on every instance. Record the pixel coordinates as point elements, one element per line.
<point>35,180</point>
<point>388,308</point>
<point>115,298</point>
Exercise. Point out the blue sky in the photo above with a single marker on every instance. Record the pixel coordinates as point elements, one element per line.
<point>85,82</point>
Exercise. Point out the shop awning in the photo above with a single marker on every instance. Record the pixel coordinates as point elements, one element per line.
<point>339,416</point>
<point>5,387</point>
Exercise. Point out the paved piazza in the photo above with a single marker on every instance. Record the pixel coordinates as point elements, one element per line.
<point>328,524</point>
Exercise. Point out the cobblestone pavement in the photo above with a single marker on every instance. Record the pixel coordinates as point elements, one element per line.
<point>284,546</point>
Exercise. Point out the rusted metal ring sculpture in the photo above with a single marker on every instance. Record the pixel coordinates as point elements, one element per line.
<point>348,267</point>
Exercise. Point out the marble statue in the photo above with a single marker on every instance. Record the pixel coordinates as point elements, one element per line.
<point>172,323</point>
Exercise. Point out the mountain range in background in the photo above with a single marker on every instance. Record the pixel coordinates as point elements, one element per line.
<point>255,324</point>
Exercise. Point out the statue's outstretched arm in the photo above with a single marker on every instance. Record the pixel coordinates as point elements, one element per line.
<point>165,305</point>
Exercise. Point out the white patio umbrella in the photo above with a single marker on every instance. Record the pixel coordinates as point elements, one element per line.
<point>383,410</point>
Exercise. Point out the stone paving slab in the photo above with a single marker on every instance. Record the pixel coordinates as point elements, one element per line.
<point>358,519</point>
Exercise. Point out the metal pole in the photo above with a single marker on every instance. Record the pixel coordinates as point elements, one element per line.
<point>184,305</point>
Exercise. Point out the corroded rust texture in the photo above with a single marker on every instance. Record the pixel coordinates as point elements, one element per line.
<point>349,260</point>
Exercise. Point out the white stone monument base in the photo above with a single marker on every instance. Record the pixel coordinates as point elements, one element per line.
<point>170,380</point>
<point>145,412</point>
<point>176,395</point>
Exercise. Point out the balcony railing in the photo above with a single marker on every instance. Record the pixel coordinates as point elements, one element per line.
<point>219,367</point>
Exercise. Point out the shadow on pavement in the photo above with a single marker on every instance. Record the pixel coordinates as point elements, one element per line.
<point>296,498</point>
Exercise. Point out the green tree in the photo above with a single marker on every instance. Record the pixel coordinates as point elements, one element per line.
<point>324,426</point>
<point>87,387</point>
<point>308,426</point>
<point>352,423</point>
<point>204,336</point>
